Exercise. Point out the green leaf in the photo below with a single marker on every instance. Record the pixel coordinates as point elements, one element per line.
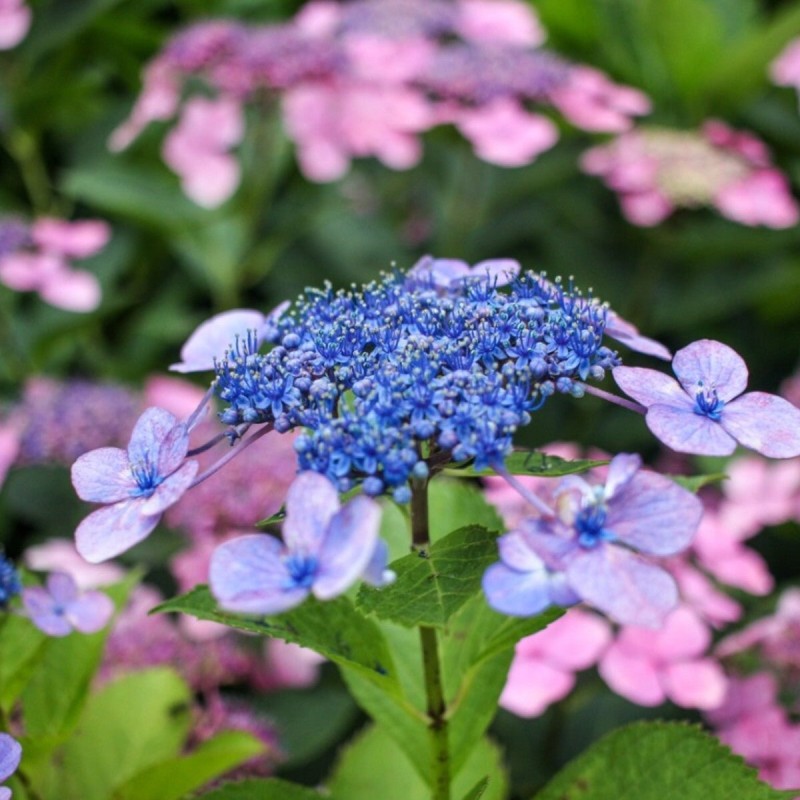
<point>655,760</point>
<point>21,645</point>
<point>335,629</point>
<point>355,777</point>
<point>456,504</point>
<point>142,194</point>
<point>478,790</point>
<point>431,586</point>
<point>404,717</point>
<point>533,462</point>
<point>59,684</point>
<point>270,789</point>
<point>173,778</point>
<point>129,726</point>
<point>476,653</point>
<point>696,482</point>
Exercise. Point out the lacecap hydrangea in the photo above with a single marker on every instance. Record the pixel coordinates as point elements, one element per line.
<point>406,373</point>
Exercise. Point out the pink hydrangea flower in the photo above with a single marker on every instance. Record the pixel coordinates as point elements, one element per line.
<point>651,666</point>
<point>41,262</point>
<point>504,133</point>
<point>753,725</point>
<point>15,20</point>
<point>197,149</point>
<point>589,100</point>
<point>656,170</point>
<point>785,69</point>
<point>544,665</point>
<point>332,123</point>
<point>61,555</point>
<point>776,637</point>
<point>506,21</point>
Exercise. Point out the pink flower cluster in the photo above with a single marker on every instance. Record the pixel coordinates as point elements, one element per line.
<point>658,170</point>
<point>755,720</point>
<point>15,19</point>
<point>37,257</point>
<point>785,69</point>
<point>676,662</point>
<point>366,78</point>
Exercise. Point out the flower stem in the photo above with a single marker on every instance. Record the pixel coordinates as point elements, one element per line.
<point>612,398</point>
<point>434,689</point>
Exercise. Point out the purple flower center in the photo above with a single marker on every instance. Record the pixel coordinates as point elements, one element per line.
<point>707,404</point>
<point>589,524</point>
<point>147,479</point>
<point>302,570</point>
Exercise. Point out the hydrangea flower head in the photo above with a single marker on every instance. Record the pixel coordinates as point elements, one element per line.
<point>594,540</point>
<point>445,359</point>
<point>704,411</point>
<point>10,755</point>
<point>137,485</point>
<point>60,607</point>
<point>10,584</point>
<point>326,548</point>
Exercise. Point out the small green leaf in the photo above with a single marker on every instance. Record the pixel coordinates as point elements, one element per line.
<point>270,789</point>
<point>175,778</point>
<point>533,462</point>
<point>456,504</point>
<point>129,726</point>
<point>656,760</point>
<point>356,778</point>
<point>21,645</point>
<point>432,585</point>
<point>476,652</point>
<point>335,629</point>
<point>696,482</point>
<point>478,790</point>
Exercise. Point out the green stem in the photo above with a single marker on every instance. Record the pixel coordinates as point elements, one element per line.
<point>434,690</point>
<point>24,149</point>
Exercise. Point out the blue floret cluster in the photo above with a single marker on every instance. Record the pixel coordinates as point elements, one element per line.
<point>403,374</point>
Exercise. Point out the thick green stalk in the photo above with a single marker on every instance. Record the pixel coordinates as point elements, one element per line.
<point>434,690</point>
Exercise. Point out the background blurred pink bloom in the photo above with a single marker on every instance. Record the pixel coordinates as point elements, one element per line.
<point>61,555</point>
<point>503,133</point>
<point>651,666</point>
<point>158,101</point>
<point>777,637</point>
<point>785,69</point>
<point>753,725</point>
<point>499,21</point>
<point>333,123</point>
<point>9,448</point>
<point>176,395</point>
<point>290,666</point>
<point>656,170</point>
<point>718,548</point>
<point>42,263</point>
<point>197,149</point>
<point>15,19</point>
<point>590,100</point>
<point>544,665</point>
